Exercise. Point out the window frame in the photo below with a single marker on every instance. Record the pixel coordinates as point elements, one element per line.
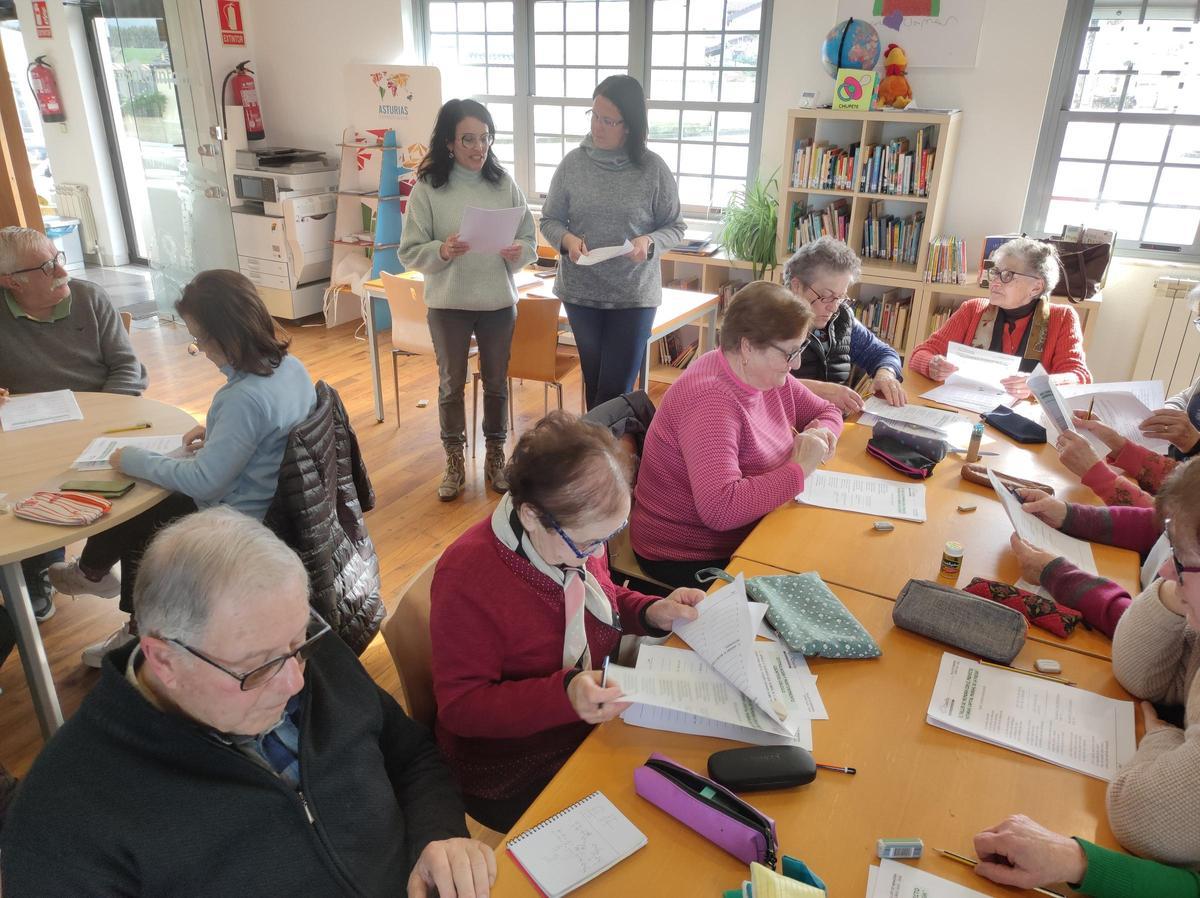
<point>1058,115</point>
<point>641,15</point>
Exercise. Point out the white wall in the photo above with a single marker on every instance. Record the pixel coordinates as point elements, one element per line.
<point>78,148</point>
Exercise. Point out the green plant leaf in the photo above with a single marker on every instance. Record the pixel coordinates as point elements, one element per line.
<point>751,220</point>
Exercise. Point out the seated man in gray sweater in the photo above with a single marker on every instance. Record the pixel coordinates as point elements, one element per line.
<point>56,334</point>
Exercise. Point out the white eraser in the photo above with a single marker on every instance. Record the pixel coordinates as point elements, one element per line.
<point>1047,666</point>
<point>885,526</point>
<point>421,403</point>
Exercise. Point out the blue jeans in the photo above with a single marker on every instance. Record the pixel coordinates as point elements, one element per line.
<point>611,344</point>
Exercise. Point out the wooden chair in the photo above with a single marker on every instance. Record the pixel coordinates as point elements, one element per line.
<point>127,321</point>
<point>410,328</point>
<point>622,561</point>
<point>534,356</point>
<point>406,633</point>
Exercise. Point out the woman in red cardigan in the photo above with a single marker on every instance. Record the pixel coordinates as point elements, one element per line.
<point>524,613</point>
<point>1016,318</point>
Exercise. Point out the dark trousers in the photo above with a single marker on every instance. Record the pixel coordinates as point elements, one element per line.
<point>611,344</point>
<point>678,573</point>
<point>501,814</point>
<point>128,540</point>
<point>451,330</point>
<point>35,567</point>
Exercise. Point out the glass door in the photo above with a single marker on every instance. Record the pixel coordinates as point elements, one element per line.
<point>151,63</point>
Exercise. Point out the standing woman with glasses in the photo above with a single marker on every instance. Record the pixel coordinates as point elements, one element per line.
<point>524,616</point>
<point>734,438</point>
<point>468,294</point>
<point>608,190</point>
<point>233,459</point>
<point>821,272</point>
<point>1017,318</point>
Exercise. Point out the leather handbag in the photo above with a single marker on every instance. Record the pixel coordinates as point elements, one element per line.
<point>1084,267</point>
<point>709,809</point>
<point>957,618</point>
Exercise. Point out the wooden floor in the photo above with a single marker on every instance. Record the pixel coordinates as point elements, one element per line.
<point>409,525</point>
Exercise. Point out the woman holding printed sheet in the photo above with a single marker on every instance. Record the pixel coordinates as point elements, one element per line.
<point>524,613</point>
<point>734,438</point>
<point>468,294</point>
<point>1017,318</point>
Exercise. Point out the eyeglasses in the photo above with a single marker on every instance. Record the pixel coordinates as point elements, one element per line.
<point>1180,568</point>
<point>1005,275</point>
<point>792,356</point>
<point>264,673</point>
<point>47,268</point>
<point>605,120</point>
<point>828,298</point>
<point>470,141</point>
<point>587,549</point>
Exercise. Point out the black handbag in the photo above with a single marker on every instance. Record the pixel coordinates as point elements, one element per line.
<point>1084,267</point>
<point>1015,425</point>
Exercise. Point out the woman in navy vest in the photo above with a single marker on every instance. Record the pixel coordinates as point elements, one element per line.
<point>821,272</point>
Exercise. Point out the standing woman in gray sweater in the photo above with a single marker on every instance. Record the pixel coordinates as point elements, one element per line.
<point>467,293</point>
<point>608,190</point>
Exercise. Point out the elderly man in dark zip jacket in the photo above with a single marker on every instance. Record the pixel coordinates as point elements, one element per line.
<point>237,749</point>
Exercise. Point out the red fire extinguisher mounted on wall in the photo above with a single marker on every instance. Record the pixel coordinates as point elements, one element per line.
<point>245,94</point>
<point>45,90</point>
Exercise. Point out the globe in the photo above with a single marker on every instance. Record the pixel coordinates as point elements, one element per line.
<point>852,44</point>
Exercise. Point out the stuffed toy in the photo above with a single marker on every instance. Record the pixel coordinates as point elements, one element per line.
<point>894,89</point>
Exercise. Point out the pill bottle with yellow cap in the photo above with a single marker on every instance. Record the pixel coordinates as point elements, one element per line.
<point>952,558</point>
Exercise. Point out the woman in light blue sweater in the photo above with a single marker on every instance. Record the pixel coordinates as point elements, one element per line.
<point>608,190</point>
<point>233,460</point>
<point>468,294</point>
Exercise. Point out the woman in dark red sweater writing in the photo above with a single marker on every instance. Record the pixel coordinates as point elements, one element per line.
<point>524,613</point>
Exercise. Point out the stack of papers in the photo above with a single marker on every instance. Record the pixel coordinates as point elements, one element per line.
<point>975,386</point>
<point>1061,724</point>
<point>864,495</point>
<point>728,685</point>
<point>891,879</point>
<point>95,456</point>
<point>952,427</point>
<point>1122,406</point>
<point>487,231</point>
<point>36,409</point>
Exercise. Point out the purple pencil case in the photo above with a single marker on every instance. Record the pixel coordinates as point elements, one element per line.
<point>708,808</point>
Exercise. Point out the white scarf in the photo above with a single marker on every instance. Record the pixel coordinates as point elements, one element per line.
<point>575,646</point>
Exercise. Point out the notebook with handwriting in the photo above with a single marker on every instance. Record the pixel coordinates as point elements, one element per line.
<point>575,845</point>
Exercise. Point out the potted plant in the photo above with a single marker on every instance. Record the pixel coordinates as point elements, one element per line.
<point>750,225</point>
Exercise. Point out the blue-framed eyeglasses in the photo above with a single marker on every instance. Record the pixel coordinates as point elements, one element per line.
<point>587,549</point>
<point>264,673</point>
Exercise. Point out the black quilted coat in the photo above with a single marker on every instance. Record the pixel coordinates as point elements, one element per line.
<point>318,510</point>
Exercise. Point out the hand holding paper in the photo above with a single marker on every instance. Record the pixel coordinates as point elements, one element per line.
<point>488,231</point>
<point>604,253</point>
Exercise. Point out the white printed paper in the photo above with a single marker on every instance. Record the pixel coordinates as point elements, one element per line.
<point>1054,405</point>
<point>95,456</point>
<point>487,231</point>
<point>980,368</point>
<point>864,495</point>
<point>949,426</point>
<point>1041,534</point>
<point>892,879</point>
<point>670,721</point>
<point>1061,724</point>
<point>1148,392</point>
<point>1123,412</point>
<point>604,253</point>
<point>968,398</point>
<point>36,409</point>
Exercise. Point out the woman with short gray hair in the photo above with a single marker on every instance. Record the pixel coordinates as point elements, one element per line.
<point>821,272</point>
<point>1016,318</point>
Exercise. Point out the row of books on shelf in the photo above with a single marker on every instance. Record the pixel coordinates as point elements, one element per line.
<point>946,262</point>
<point>886,316</point>
<point>901,167</point>
<point>941,315</point>
<point>832,220</point>
<point>676,352</point>
<point>891,237</point>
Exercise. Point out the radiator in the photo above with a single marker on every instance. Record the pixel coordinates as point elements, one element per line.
<point>1171,345</point>
<point>73,201</point>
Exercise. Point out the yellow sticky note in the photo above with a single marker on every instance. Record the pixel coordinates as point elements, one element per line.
<point>769,884</point>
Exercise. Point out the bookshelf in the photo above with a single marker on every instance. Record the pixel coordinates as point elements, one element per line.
<point>857,186</point>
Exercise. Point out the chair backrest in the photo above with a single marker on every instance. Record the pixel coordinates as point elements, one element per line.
<point>406,300</point>
<point>406,633</point>
<point>127,321</point>
<point>535,339</point>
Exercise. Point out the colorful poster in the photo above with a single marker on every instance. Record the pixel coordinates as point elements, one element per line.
<point>855,89</point>
<point>933,33</point>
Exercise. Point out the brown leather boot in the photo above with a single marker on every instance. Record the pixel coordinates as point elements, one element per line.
<point>455,478</point>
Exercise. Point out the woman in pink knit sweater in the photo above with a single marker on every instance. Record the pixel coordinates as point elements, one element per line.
<point>734,439</point>
<point>1016,318</point>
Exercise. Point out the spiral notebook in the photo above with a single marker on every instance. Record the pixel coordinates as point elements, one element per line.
<point>576,845</point>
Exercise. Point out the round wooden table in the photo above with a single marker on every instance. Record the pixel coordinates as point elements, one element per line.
<point>39,458</point>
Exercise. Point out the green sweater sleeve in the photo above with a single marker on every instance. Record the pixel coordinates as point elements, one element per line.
<point>1111,874</point>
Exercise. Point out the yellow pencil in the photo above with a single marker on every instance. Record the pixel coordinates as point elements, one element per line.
<point>142,425</point>
<point>1091,405</point>
<point>1028,673</point>
<point>971,862</point>
<point>1069,648</point>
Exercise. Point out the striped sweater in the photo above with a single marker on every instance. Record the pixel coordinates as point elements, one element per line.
<point>717,457</point>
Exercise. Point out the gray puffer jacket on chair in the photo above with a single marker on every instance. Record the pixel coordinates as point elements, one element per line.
<point>318,510</point>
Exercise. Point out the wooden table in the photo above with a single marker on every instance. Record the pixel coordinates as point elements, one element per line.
<point>40,458</point>
<point>679,308</point>
<point>914,780</point>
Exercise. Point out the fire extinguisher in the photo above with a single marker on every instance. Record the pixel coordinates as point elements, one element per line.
<point>45,90</point>
<point>245,94</point>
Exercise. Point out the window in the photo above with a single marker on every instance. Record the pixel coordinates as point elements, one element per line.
<point>1120,148</point>
<point>535,63</point>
